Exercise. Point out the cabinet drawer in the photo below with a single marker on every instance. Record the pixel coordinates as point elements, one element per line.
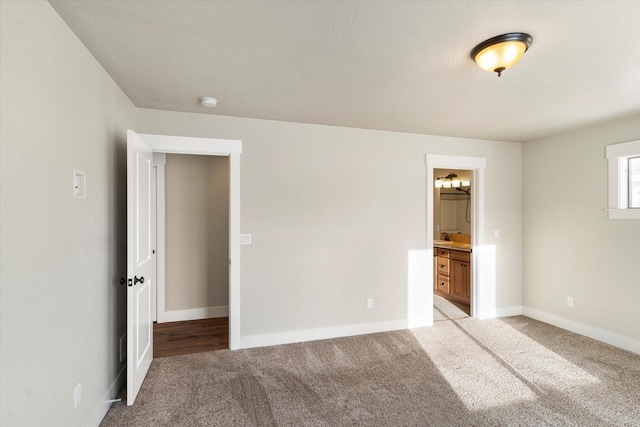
<point>442,252</point>
<point>443,265</point>
<point>461,256</point>
<point>443,284</point>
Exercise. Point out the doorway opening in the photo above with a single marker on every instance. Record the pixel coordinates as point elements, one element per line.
<point>193,304</point>
<point>465,260</point>
<point>146,239</point>
<point>452,223</point>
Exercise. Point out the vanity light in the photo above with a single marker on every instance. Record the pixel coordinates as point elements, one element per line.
<point>501,52</point>
<point>450,181</point>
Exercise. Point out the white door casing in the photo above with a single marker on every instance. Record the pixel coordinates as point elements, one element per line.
<point>208,147</point>
<point>140,261</point>
<point>482,291</point>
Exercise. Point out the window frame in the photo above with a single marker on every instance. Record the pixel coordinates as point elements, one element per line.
<point>630,182</point>
<point>618,156</point>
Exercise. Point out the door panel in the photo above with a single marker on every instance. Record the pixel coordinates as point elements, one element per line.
<point>140,261</point>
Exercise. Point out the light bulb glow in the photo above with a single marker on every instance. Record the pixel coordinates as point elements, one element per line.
<point>502,55</point>
<point>501,52</point>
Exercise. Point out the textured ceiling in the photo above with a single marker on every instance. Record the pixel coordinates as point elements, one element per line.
<point>399,66</point>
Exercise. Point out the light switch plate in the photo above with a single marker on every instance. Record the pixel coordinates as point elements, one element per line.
<point>79,184</point>
<point>245,239</point>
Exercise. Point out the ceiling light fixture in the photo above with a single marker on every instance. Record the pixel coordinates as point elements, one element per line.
<point>207,101</point>
<point>501,52</point>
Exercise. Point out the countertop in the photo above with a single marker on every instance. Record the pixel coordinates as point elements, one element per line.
<point>465,247</point>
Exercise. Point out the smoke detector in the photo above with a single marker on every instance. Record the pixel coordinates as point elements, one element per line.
<point>207,101</point>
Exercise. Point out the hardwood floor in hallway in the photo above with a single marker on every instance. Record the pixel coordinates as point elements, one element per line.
<point>192,336</point>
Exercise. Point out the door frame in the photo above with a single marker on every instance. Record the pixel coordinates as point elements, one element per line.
<point>481,304</point>
<point>165,144</point>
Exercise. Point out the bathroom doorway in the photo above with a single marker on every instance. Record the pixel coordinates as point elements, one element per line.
<point>455,221</point>
<point>452,220</point>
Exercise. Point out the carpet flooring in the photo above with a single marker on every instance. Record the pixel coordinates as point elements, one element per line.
<point>465,372</point>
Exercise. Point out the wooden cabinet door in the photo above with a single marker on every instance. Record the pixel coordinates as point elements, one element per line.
<point>461,280</point>
<point>457,274</point>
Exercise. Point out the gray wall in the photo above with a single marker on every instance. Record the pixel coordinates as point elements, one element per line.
<point>335,211</point>
<point>62,310</point>
<point>197,231</point>
<point>570,247</point>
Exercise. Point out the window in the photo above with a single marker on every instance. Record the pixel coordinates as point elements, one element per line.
<point>624,180</point>
<point>634,182</point>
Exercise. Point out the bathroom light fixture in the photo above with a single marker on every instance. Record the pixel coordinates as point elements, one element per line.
<point>501,52</point>
<point>207,101</point>
<point>451,181</point>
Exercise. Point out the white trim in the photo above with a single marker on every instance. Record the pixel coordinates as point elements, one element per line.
<point>196,313</point>
<point>234,251</point>
<point>585,330</point>
<point>482,302</point>
<point>99,412</point>
<point>211,147</point>
<point>515,310</point>
<point>622,149</point>
<point>617,156</point>
<point>160,160</point>
<point>191,145</point>
<point>290,337</point>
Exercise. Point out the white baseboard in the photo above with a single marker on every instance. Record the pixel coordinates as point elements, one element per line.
<point>515,310</point>
<point>582,329</point>
<point>289,337</point>
<point>103,406</point>
<point>265,340</point>
<point>195,314</point>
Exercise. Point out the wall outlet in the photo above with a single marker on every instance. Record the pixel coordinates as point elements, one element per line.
<point>123,346</point>
<point>570,301</point>
<point>77,395</point>
<point>369,302</point>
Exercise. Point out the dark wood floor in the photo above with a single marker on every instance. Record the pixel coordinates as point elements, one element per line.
<point>193,336</point>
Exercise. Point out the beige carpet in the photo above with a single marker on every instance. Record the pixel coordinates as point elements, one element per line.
<point>501,372</point>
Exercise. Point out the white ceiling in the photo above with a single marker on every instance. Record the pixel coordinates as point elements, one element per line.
<point>388,65</point>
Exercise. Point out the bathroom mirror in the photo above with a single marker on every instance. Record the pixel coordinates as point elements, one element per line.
<point>452,202</point>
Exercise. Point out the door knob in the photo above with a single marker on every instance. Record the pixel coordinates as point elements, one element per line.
<point>137,280</point>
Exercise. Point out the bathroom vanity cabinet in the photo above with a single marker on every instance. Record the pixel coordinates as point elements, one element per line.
<point>452,273</point>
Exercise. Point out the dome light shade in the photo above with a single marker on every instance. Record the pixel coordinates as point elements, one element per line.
<point>501,52</point>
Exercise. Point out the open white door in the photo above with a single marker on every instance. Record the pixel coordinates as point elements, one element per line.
<point>140,261</point>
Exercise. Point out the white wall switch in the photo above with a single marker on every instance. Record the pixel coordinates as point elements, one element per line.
<point>245,239</point>
<point>79,184</point>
